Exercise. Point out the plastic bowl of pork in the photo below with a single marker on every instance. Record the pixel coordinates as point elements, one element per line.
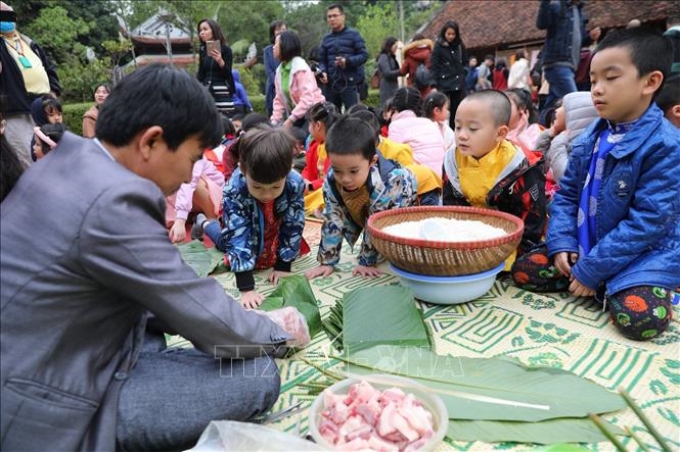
<point>320,415</point>
<point>448,289</point>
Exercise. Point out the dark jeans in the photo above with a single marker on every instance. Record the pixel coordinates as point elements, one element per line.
<point>562,82</point>
<point>639,313</point>
<point>455,98</point>
<point>348,96</point>
<point>172,394</point>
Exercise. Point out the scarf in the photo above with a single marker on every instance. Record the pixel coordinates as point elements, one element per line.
<point>588,203</point>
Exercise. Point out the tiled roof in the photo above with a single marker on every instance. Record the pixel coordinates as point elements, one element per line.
<point>492,23</point>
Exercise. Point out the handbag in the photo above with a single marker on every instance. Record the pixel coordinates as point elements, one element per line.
<point>375,79</point>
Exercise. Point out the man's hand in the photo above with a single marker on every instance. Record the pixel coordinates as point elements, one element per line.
<point>321,270</point>
<point>178,232</point>
<point>293,323</point>
<point>251,299</point>
<point>368,272</point>
<point>564,261</point>
<point>276,275</point>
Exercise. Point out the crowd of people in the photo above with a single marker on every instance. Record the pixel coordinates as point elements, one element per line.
<point>88,232</point>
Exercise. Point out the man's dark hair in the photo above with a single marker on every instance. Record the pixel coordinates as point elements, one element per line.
<point>10,168</point>
<point>673,20</point>
<point>273,25</point>
<point>336,6</point>
<point>266,154</point>
<point>351,136</point>
<point>289,46</point>
<point>669,94</point>
<point>159,95</point>
<point>649,50</point>
<point>497,102</point>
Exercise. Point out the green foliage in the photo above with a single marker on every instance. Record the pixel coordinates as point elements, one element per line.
<point>78,79</point>
<point>73,116</point>
<point>58,33</point>
<point>377,23</point>
<point>249,20</point>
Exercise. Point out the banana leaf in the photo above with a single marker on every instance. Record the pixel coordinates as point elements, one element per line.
<point>295,291</point>
<point>545,432</point>
<point>381,315</point>
<point>203,260</point>
<point>489,388</point>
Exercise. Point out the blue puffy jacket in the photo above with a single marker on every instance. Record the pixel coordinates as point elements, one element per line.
<point>557,18</point>
<point>638,227</point>
<point>346,43</point>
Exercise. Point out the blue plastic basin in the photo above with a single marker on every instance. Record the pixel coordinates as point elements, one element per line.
<point>448,289</point>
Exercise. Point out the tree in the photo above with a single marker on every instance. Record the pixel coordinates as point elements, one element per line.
<point>58,33</point>
<point>378,22</point>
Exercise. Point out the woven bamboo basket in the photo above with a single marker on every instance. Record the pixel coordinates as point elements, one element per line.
<point>436,258</point>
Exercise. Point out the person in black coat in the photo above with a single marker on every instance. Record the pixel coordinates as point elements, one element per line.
<point>214,65</point>
<point>447,66</point>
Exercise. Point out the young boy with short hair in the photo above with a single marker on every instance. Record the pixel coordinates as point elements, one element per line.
<point>359,183</point>
<point>614,231</point>
<point>486,170</point>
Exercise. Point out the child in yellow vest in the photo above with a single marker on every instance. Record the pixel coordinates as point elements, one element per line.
<point>486,170</point>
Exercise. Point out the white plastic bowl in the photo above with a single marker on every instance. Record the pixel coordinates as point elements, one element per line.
<point>431,401</point>
<point>448,289</point>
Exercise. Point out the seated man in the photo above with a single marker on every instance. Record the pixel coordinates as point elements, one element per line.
<point>86,257</point>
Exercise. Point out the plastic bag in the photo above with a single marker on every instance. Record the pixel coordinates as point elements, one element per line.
<point>220,436</point>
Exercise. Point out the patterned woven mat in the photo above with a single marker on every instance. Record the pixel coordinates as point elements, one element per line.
<point>554,330</point>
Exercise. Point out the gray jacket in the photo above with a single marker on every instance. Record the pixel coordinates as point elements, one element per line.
<point>84,255</point>
<point>579,114</point>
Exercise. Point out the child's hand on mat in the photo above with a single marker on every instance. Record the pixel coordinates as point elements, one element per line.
<point>276,275</point>
<point>251,299</point>
<point>369,272</point>
<point>564,261</point>
<point>321,270</point>
<point>579,290</point>
<point>178,231</point>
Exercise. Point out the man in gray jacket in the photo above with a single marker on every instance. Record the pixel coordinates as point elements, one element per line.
<point>85,259</point>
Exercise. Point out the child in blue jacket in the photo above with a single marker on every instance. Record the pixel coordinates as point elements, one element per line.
<point>359,183</point>
<point>264,211</point>
<point>242,104</point>
<point>614,231</point>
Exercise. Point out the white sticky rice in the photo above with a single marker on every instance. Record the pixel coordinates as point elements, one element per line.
<point>445,230</point>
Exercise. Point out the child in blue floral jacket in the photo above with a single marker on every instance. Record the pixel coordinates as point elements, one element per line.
<point>264,212</point>
<point>359,183</point>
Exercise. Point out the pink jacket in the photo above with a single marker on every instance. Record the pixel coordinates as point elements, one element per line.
<point>202,168</point>
<point>424,137</point>
<point>303,90</point>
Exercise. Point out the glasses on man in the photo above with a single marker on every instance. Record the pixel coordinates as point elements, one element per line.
<point>333,16</point>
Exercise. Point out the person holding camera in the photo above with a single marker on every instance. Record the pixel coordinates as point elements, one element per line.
<point>341,56</point>
<point>214,65</point>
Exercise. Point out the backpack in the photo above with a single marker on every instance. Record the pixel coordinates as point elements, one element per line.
<point>423,78</point>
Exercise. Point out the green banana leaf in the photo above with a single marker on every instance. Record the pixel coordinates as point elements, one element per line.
<point>489,388</point>
<point>203,260</point>
<point>545,432</point>
<point>295,291</point>
<point>382,315</point>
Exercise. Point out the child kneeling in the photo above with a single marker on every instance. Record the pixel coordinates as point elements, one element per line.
<point>486,170</point>
<point>614,231</point>
<point>264,211</point>
<point>359,183</point>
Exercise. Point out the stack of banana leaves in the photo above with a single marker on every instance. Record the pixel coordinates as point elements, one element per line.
<point>488,399</point>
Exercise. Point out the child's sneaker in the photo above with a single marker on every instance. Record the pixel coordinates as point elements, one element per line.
<point>196,228</point>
